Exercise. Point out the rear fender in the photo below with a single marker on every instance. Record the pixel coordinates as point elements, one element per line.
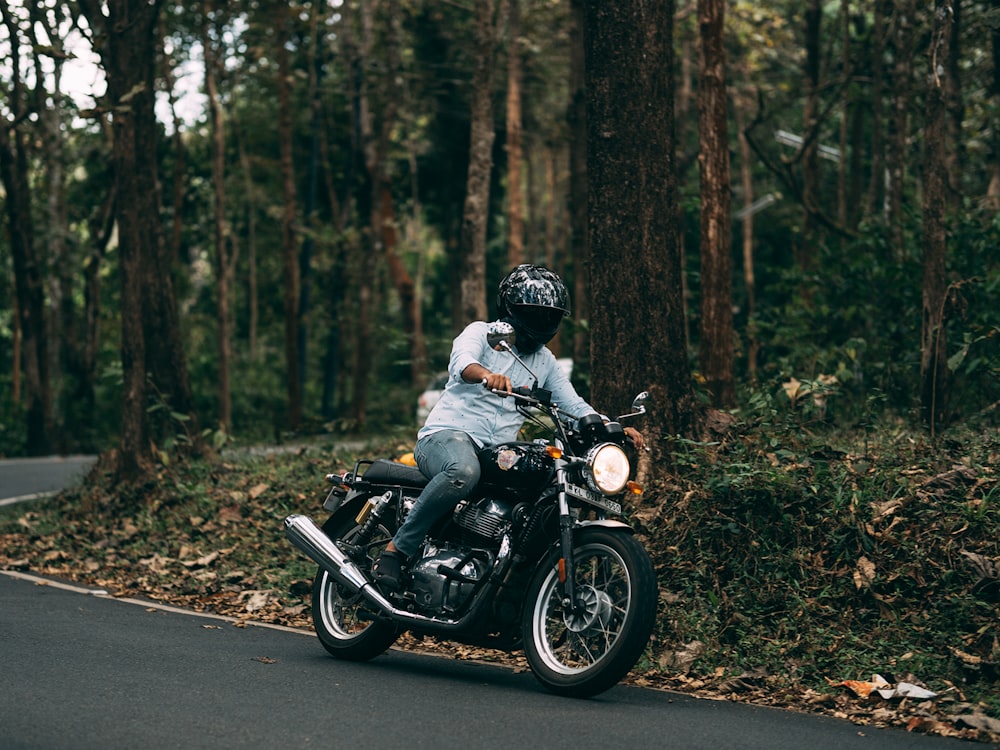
<point>337,499</point>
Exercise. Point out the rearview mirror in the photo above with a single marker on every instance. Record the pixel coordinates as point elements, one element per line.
<point>501,335</point>
<point>640,401</point>
<point>639,404</point>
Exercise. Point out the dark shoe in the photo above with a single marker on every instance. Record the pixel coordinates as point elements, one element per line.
<point>388,570</point>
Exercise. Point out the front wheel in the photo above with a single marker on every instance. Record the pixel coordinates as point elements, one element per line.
<point>583,651</point>
<point>344,621</point>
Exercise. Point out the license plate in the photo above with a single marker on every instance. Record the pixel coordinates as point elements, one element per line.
<point>594,498</point>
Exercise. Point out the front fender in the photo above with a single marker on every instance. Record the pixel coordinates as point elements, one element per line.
<point>606,523</point>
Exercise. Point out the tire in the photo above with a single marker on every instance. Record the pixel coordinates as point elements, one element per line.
<point>581,656</point>
<point>343,622</point>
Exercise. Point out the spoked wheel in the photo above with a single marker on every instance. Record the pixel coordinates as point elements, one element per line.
<point>583,650</point>
<point>344,622</point>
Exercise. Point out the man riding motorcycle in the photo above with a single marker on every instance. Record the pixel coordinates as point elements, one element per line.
<point>534,300</point>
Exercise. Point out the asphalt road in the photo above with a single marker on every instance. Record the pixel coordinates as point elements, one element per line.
<point>81,671</point>
<point>23,479</point>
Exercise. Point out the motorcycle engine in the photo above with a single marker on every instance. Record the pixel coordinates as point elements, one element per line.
<point>446,575</point>
<point>483,522</point>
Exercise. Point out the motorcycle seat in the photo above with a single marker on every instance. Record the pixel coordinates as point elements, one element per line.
<point>384,471</point>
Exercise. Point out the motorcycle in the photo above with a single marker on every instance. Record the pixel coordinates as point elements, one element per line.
<point>533,559</point>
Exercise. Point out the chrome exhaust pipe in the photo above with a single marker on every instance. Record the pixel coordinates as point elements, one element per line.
<point>302,532</point>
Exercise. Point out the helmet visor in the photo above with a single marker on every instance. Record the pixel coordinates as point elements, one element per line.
<point>538,323</point>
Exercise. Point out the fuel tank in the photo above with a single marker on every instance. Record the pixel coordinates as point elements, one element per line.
<point>519,467</point>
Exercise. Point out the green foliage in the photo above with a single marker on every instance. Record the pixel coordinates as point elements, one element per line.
<point>854,313</point>
<point>811,556</point>
<point>858,319</point>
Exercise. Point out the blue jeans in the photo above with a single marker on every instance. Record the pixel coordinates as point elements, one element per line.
<point>448,458</point>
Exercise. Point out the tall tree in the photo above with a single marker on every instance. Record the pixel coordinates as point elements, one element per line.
<point>934,374</point>
<point>289,244</point>
<point>717,335</point>
<point>515,188</point>
<point>904,37</point>
<point>15,146</point>
<point>741,104</point>
<point>637,310</point>
<point>477,194</point>
<point>993,189</point>
<point>151,340</point>
<point>579,235</point>
<point>810,147</point>
<point>225,258</point>
<point>880,34</point>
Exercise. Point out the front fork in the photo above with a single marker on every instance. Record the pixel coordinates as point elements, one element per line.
<point>567,578</point>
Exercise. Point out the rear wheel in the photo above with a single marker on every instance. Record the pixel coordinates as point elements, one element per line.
<point>343,621</point>
<point>581,651</point>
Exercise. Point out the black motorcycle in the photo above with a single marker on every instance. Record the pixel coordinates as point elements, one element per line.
<point>530,560</point>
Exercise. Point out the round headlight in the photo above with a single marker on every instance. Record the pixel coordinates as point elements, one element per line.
<point>608,468</point>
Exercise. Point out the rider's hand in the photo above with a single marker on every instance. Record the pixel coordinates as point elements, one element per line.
<point>495,381</point>
<point>636,437</point>
<point>476,373</point>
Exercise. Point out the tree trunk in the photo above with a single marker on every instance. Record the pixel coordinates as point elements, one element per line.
<point>810,116</point>
<point>858,110</point>
<point>101,228</point>
<point>223,263</point>
<point>637,326</point>
<point>477,195</point>
<point>579,236</point>
<point>877,186</point>
<point>903,37</point>
<point>179,155</point>
<point>747,223</point>
<point>993,189</point>
<point>151,337</point>
<point>29,290</point>
<point>315,68</point>
<point>934,374</point>
<point>955,104</point>
<point>515,188</point>
<point>717,335</point>
<point>289,244</point>
<point>845,114</point>
<point>250,208</point>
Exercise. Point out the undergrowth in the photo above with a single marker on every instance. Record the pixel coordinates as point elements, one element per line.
<point>799,558</point>
<point>791,557</point>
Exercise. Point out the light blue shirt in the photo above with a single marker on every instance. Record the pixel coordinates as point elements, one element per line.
<point>486,417</point>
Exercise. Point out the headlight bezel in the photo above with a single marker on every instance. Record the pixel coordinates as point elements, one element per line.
<point>607,469</point>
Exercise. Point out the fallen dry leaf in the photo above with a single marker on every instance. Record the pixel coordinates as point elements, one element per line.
<point>864,573</point>
<point>258,489</point>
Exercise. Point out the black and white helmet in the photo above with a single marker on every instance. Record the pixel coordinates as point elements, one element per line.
<point>534,300</point>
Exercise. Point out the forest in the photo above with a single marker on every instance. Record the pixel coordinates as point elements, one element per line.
<point>244,222</point>
<point>336,188</point>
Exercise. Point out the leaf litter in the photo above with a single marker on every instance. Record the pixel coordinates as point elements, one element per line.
<point>212,542</point>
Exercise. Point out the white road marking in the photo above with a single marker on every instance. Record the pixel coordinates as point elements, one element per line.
<point>101,593</point>
<point>26,498</point>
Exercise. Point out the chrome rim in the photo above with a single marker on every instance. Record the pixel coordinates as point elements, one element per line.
<point>569,642</point>
<point>340,616</point>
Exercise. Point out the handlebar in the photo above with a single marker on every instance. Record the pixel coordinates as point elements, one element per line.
<point>540,398</point>
<point>536,397</point>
